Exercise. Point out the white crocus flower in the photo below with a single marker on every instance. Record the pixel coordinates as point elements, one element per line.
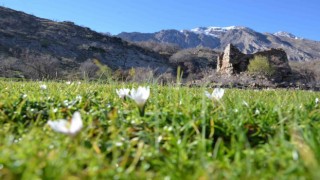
<point>295,155</point>
<point>24,96</point>
<point>43,86</point>
<point>140,96</point>
<point>245,103</point>
<point>216,94</point>
<point>67,127</point>
<point>317,100</point>
<point>123,93</point>
<point>68,82</point>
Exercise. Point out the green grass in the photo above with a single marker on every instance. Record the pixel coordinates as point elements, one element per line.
<point>267,134</point>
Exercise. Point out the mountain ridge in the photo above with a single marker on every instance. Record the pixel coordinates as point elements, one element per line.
<point>40,49</point>
<point>244,38</point>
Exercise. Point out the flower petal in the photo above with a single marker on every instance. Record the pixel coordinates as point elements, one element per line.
<point>76,123</point>
<point>208,94</point>
<point>218,93</point>
<point>60,125</point>
<point>141,95</point>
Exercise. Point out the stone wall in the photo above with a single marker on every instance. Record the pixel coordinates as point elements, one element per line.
<point>279,61</point>
<point>232,61</point>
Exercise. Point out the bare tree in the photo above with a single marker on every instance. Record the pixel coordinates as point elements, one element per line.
<point>8,66</point>
<point>88,69</point>
<point>41,67</point>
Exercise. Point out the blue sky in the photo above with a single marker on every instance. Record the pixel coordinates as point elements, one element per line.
<point>300,17</point>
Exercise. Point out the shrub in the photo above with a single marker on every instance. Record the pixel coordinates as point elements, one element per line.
<point>104,72</point>
<point>260,65</point>
<point>193,61</point>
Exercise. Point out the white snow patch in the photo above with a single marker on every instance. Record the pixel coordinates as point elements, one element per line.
<point>286,34</point>
<point>213,30</point>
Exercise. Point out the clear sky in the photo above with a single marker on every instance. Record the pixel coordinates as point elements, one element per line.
<point>299,17</point>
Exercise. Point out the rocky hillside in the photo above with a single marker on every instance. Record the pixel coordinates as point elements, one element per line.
<point>36,48</point>
<point>245,39</point>
<point>33,47</point>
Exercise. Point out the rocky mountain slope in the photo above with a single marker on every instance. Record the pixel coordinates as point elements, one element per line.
<point>38,48</point>
<point>245,39</point>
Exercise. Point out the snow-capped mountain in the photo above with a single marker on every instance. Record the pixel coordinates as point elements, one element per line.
<point>285,34</point>
<point>246,39</point>
<point>214,31</point>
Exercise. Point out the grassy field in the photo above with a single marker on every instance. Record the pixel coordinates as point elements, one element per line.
<point>248,134</point>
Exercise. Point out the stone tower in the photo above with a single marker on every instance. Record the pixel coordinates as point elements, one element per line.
<point>227,61</point>
<point>233,61</point>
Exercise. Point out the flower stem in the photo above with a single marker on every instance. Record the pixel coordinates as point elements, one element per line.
<point>141,110</point>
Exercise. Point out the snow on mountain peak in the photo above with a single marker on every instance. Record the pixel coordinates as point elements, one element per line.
<point>214,31</point>
<point>286,34</point>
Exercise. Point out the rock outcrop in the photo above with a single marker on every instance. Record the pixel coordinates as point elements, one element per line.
<point>232,61</point>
